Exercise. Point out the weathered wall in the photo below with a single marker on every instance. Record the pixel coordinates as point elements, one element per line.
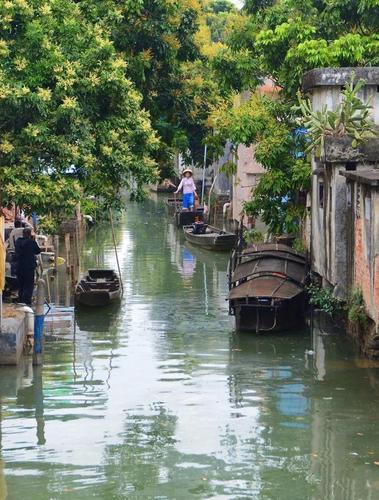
<point>328,238</point>
<point>344,239</point>
<point>246,178</point>
<point>329,231</point>
<point>366,272</point>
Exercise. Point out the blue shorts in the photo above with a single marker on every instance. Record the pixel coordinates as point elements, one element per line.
<point>188,200</point>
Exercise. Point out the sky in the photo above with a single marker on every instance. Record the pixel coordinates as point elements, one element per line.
<point>239,3</point>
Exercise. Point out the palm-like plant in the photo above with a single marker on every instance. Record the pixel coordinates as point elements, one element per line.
<point>351,118</point>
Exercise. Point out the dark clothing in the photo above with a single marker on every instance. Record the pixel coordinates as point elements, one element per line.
<point>25,278</point>
<point>26,251</point>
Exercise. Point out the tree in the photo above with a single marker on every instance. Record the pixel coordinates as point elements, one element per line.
<point>158,41</point>
<point>282,40</point>
<point>268,124</point>
<point>219,6</point>
<point>69,116</point>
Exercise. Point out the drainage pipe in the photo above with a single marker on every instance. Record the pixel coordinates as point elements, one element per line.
<point>225,208</point>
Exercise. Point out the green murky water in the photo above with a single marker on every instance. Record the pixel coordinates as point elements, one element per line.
<point>158,399</point>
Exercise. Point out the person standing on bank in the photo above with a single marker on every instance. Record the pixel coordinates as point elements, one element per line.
<point>188,186</point>
<point>26,251</point>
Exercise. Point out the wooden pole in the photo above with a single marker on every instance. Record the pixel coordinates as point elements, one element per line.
<point>115,250</point>
<point>67,248</point>
<point>56,253</point>
<point>204,168</point>
<point>209,200</point>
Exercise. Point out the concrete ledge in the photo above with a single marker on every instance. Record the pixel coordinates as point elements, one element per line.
<point>368,177</point>
<point>340,150</point>
<point>334,77</point>
<point>13,335</point>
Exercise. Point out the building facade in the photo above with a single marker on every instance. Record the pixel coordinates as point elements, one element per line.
<point>344,239</point>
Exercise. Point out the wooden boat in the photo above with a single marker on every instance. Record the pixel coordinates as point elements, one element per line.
<point>267,288</point>
<point>99,287</point>
<point>212,238</point>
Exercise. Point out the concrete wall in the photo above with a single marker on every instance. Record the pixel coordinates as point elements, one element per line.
<point>365,213</point>
<point>329,248</point>
<point>328,230</point>
<point>247,177</point>
<point>12,335</point>
<point>344,239</point>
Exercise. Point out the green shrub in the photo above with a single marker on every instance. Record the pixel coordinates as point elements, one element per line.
<point>323,298</point>
<point>298,245</point>
<point>253,236</point>
<point>357,314</point>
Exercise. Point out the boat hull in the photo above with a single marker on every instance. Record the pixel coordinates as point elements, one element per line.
<point>259,319</point>
<point>213,241</point>
<point>267,288</point>
<point>96,298</point>
<point>99,288</point>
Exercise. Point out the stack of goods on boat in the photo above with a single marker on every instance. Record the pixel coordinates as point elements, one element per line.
<point>267,288</point>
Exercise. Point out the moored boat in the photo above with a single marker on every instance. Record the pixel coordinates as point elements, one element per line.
<point>267,288</point>
<point>99,287</point>
<point>209,237</point>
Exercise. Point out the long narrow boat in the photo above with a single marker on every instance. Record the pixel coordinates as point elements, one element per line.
<point>212,238</point>
<point>99,287</point>
<point>267,288</point>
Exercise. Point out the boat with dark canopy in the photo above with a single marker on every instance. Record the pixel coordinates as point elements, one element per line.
<point>99,287</point>
<point>209,237</point>
<point>267,288</point>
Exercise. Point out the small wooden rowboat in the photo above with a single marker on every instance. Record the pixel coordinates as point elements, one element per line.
<point>99,287</point>
<point>211,239</point>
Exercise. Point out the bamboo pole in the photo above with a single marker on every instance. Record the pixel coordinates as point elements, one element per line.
<point>209,200</point>
<point>115,250</point>
<point>56,253</point>
<point>204,168</point>
<point>67,248</point>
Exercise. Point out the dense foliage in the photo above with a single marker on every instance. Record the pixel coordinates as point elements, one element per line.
<point>70,118</point>
<point>281,40</point>
<point>269,124</point>
<point>98,95</point>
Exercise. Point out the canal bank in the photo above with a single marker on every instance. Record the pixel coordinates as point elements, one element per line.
<point>158,398</point>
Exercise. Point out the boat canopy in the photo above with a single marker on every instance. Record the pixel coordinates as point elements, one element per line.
<point>266,286</point>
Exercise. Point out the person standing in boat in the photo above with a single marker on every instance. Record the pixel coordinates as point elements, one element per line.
<point>26,251</point>
<point>188,186</point>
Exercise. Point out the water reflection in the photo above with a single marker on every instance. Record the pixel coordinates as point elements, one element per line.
<point>160,399</point>
<point>188,264</point>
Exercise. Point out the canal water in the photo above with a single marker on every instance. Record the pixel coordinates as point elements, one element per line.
<point>159,399</point>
